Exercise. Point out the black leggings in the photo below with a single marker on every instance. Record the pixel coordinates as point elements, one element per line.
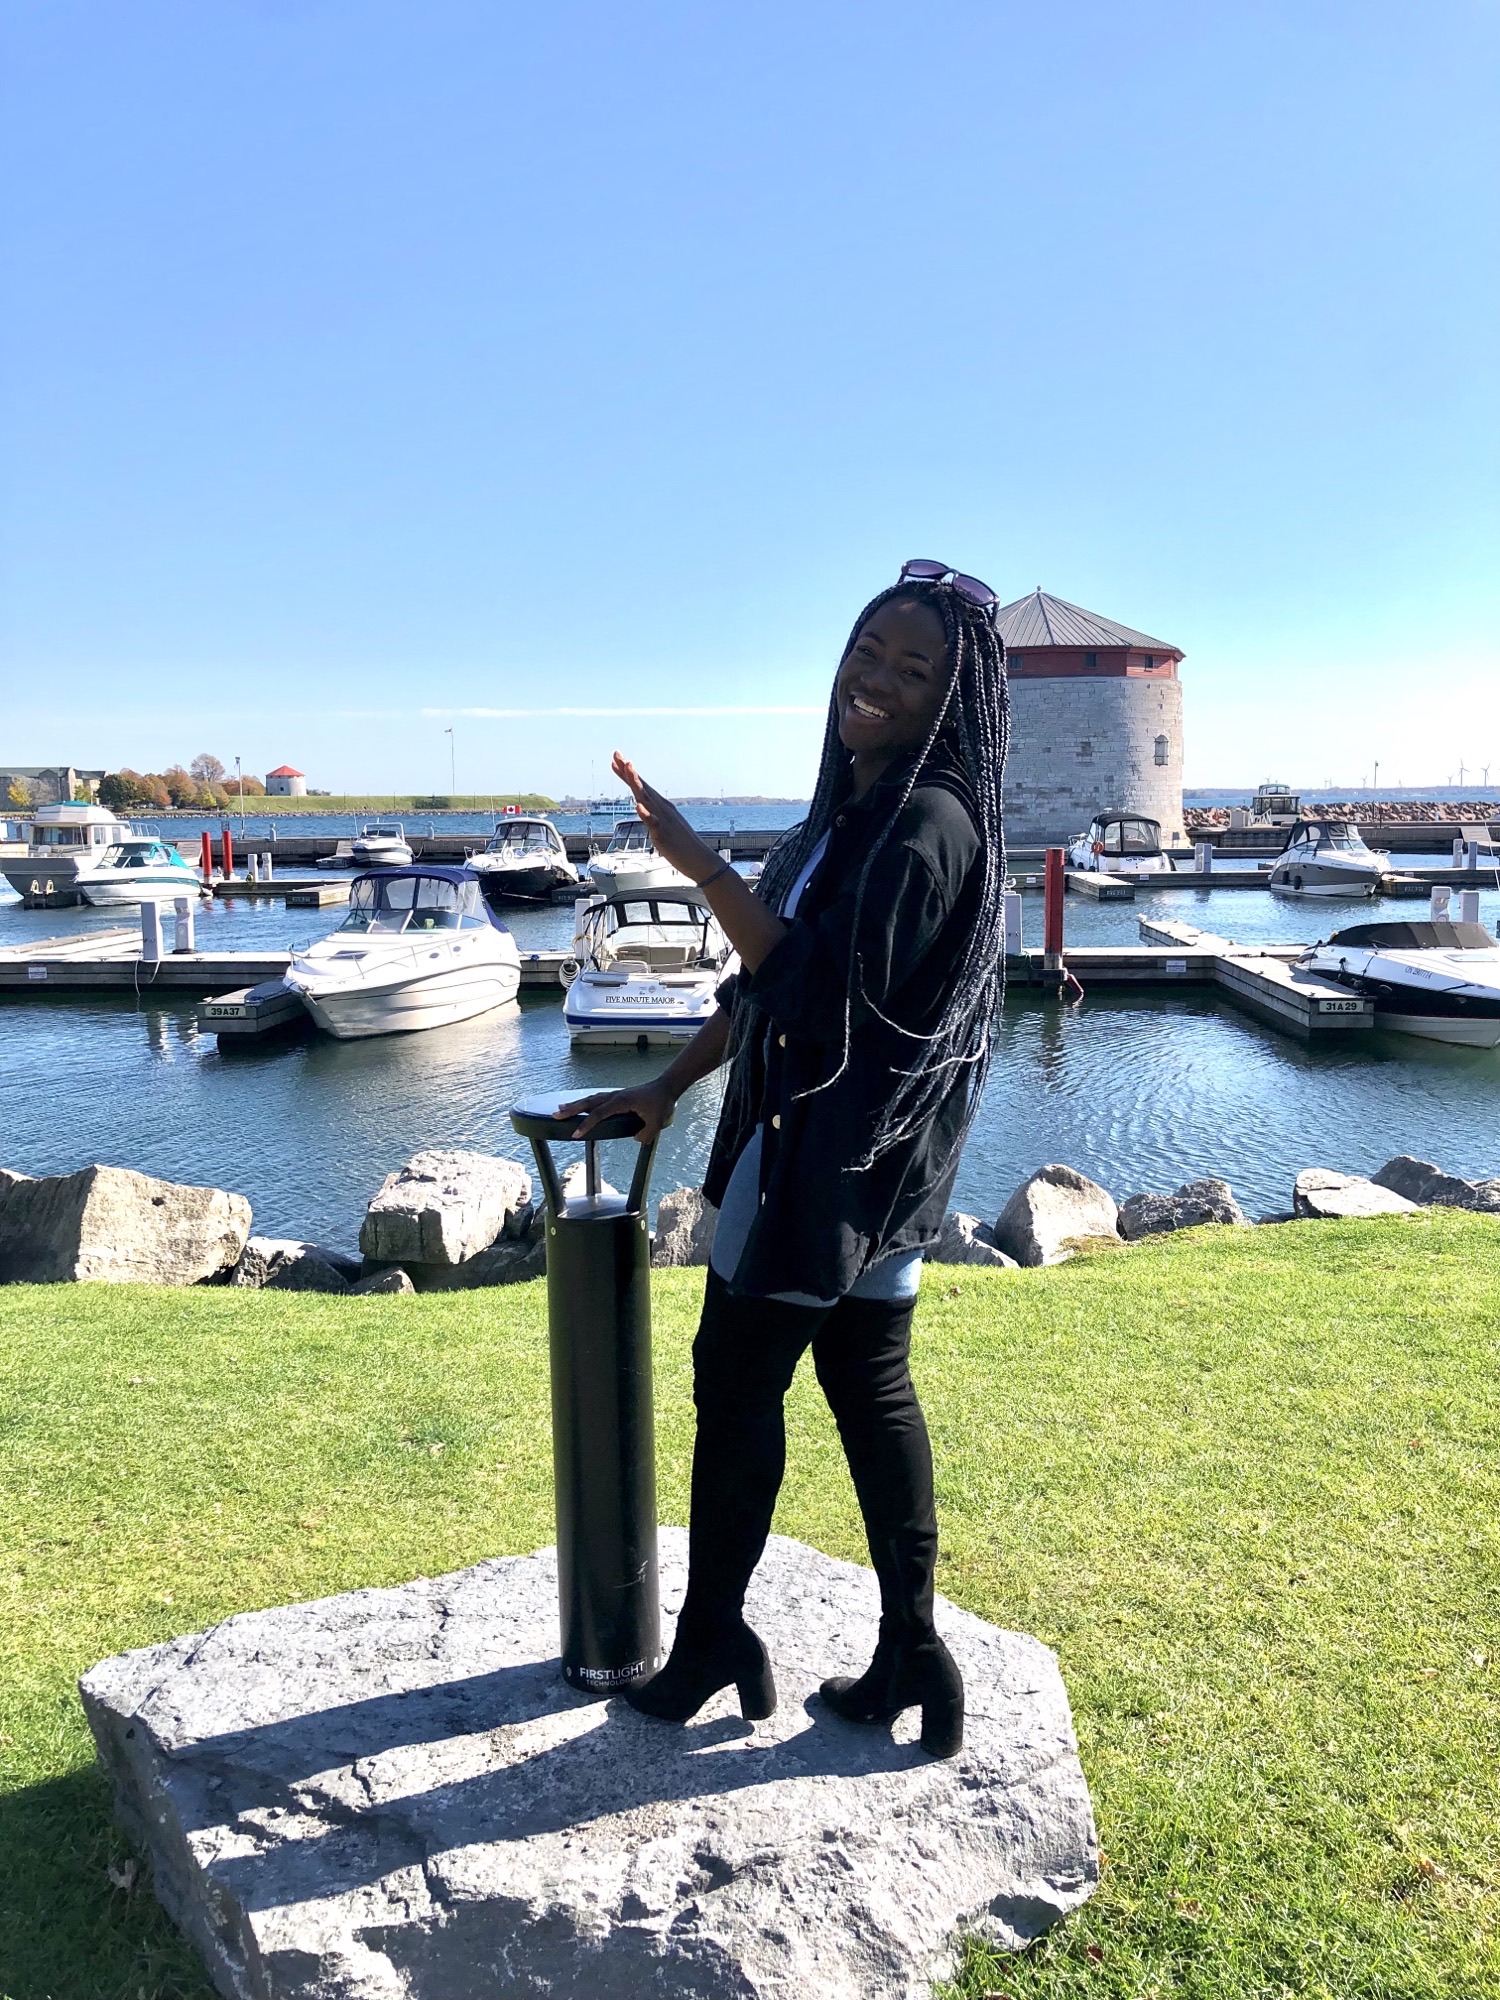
<point>744,1358</point>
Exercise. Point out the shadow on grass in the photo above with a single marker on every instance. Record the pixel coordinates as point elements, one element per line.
<point>66,1932</point>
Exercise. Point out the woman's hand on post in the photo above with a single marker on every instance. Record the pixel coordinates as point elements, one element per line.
<point>651,1102</point>
<point>671,835</point>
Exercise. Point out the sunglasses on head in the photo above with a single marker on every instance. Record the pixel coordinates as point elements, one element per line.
<point>968,587</point>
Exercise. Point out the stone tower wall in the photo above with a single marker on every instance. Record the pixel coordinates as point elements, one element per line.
<point>1080,745</point>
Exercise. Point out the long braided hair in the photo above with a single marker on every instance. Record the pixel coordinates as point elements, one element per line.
<point>974,722</point>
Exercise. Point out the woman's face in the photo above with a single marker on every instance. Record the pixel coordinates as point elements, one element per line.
<point>893,680</point>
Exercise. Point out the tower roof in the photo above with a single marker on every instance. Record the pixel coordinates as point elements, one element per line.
<point>285,771</point>
<point>1040,620</point>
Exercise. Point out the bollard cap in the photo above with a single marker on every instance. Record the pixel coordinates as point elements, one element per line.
<point>539,1118</point>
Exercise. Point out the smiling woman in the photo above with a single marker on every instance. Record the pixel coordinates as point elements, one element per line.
<point>857,1034</point>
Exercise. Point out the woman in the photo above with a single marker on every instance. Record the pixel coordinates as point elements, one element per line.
<point>857,1034</point>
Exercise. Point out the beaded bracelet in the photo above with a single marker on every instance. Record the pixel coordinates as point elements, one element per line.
<point>722,869</point>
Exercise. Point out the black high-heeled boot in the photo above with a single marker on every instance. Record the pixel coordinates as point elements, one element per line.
<point>908,1669</point>
<point>699,1666</point>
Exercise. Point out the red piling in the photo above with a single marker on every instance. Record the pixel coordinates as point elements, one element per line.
<point>1052,906</point>
<point>208,856</point>
<point>227,844</point>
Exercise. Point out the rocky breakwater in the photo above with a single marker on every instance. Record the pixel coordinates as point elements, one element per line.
<point>122,1227</point>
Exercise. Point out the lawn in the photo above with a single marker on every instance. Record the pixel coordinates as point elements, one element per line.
<point>1246,1482</point>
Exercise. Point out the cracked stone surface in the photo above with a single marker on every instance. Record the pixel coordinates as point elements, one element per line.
<point>393,1793</point>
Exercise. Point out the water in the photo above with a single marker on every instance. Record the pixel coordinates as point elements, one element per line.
<point>706,819</point>
<point>1137,1091</point>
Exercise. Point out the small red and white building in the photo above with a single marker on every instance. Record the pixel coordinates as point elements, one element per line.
<point>285,783</point>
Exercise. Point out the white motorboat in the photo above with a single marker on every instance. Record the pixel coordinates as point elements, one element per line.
<point>524,861</point>
<point>647,970</point>
<point>1121,843</point>
<point>1327,857</point>
<point>419,949</point>
<point>66,840</point>
<point>142,869</point>
<point>380,845</point>
<point>1437,980</point>
<point>630,864</point>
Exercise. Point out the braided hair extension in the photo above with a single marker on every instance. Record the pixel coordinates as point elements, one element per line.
<point>974,721</point>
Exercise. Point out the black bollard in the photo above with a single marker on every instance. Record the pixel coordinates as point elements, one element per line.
<point>603,1434</point>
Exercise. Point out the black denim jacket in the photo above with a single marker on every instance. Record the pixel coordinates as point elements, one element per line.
<point>823,1221</point>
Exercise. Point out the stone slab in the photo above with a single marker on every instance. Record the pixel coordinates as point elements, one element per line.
<point>393,1793</point>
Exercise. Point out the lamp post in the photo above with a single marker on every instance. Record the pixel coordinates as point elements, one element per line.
<point>239,786</point>
<point>452,763</point>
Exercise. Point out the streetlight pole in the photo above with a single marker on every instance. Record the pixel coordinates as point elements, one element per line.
<point>239,786</point>
<point>452,763</point>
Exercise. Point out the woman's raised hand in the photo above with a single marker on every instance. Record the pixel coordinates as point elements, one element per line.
<point>651,1102</point>
<point>671,835</point>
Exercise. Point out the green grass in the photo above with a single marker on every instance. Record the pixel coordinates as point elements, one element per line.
<point>1244,1482</point>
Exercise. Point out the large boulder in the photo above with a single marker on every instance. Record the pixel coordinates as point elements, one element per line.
<point>443,1208</point>
<point>1194,1203</point>
<point>109,1223</point>
<point>1049,1215</point>
<point>967,1240</point>
<point>1428,1186</point>
<point>283,1264</point>
<point>394,1792</point>
<point>1320,1195</point>
<point>685,1225</point>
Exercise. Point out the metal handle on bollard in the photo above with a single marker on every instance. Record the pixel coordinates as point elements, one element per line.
<point>603,1435</point>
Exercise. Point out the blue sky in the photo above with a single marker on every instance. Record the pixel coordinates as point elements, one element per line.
<point>362,362</point>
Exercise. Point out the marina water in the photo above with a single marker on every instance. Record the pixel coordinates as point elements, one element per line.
<point>1138,1090</point>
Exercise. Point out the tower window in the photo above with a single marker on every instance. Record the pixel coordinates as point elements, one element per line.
<point>1163,748</point>
<point>1085,748</point>
<point>1014,660</point>
<point>1150,662</point>
<point>1091,661</point>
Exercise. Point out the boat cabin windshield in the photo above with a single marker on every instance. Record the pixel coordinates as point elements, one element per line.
<point>391,903</point>
<point>143,854</point>
<point>382,833</point>
<point>629,837</point>
<point>654,932</point>
<point>1129,836</point>
<point>1335,834</point>
<point>529,837</point>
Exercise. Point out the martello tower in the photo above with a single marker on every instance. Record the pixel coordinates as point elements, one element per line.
<point>1096,721</point>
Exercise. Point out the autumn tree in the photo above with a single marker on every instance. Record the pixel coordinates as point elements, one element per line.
<point>206,768</point>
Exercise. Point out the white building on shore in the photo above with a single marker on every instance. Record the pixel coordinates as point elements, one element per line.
<point>285,783</point>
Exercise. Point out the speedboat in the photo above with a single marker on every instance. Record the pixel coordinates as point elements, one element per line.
<point>525,861</point>
<point>142,869</point>
<point>647,970</point>
<point>1327,857</point>
<point>630,864</point>
<point>1121,843</point>
<point>380,846</point>
<point>419,948</point>
<point>1438,980</point>
<point>66,841</point>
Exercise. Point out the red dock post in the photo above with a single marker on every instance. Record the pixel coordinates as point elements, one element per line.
<point>1052,907</point>
<point>226,843</point>
<point>208,856</point>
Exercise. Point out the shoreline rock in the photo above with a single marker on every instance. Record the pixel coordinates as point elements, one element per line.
<point>118,1226</point>
<point>1194,1204</point>
<point>1051,1213</point>
<point>443,1207</point>
<point>1320,1195</point>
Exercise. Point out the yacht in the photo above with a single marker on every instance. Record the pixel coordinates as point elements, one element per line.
<point>525,861</point>
<point>1438,980</point>
<point>1327,857</point>
<point>66,840</point>
<point>419,948</point>
<point>647,970</point>
<point>631,864</point>
<point>380,845</point>
<point>1121,843</point>
<point>142,869</point>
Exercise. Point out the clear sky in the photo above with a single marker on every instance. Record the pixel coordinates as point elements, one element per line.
<point>366,365</point>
